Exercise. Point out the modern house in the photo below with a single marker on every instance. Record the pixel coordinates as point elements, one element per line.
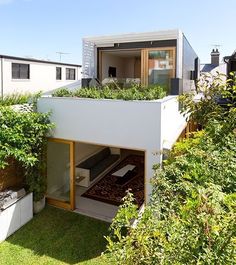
<point>102,147</point>
<point>19,75</point>
<point>162,57</point>
<point>215,66</point>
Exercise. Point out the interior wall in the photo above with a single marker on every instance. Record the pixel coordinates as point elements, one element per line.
<point>114,61</point>
<point>83,150</point>
<point>137,67</point>
<point>125,67</point>
<point>129,67</point>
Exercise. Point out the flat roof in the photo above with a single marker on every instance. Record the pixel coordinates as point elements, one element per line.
<point>135,37</point>
<point>37,60</point>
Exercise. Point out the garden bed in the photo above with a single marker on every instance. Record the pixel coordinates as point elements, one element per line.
<point>134,92</point>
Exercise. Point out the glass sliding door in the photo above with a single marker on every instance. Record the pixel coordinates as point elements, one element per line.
<point>60,173</point>
<point>158,66</point>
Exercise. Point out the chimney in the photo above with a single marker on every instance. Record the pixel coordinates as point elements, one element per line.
<point>215,57</point>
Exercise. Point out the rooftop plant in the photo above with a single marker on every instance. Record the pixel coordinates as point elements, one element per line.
<point>135,92</point>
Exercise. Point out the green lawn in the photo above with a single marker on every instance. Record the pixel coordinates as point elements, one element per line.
<point>56,236</point>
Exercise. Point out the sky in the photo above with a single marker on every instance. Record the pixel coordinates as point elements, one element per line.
<point>41,28</point>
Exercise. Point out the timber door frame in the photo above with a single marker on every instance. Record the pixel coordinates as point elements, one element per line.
<point>144,62</point>
<point>57,202</point>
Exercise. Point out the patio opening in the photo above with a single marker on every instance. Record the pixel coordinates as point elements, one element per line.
<point>146,66</point>
<point>92,179</point>
<point>103,175</point>
<point>123,66</point>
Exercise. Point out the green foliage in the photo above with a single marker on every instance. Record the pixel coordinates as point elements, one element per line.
<point>63,92</point>
<point>191,216</point>
<point>23,136</point>
<point>18,98</point>
<point>209,89</point>
<point>135,92</point>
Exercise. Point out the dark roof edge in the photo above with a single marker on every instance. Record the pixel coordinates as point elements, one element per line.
<point>37,61</point>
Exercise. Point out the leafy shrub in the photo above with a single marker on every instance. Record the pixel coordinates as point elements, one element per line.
<point>133,93</point>
<point>63,92</point>
<point>18,98</point>
<point>212,90</point>
<point>191,216</point>
<point>23,137</point>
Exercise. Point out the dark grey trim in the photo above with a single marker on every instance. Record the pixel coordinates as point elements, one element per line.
<point>141,45</point>
<point>37,61</point>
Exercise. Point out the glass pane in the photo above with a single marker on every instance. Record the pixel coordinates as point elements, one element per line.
<point>15,71</point>
<point>160,67</point>
<point>58,171</point>
<point>67,74</point>
<point>24,71</point>
<point>58,73</point>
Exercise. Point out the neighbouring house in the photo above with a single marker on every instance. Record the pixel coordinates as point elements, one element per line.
<point>231,63</point>
<point>215,66</point>
<point>102,147</point>
<point>20,75</point>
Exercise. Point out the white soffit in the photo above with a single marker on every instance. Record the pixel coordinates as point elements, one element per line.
<point>108,41</point>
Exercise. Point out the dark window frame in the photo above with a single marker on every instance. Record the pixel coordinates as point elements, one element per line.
<point>20,71</point>
<point>58,73</point>
<point>70,73</point>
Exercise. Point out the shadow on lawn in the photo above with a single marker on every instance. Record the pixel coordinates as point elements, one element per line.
<point>63,235</point>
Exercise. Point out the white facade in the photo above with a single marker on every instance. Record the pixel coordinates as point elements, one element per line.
<point>42,75</point>
<point>149,126</point>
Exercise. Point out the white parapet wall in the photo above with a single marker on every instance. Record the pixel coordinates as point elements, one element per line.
<point>138,125</point>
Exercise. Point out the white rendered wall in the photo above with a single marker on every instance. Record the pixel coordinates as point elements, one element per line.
<point>125,124</point>
<point>42,77</point>
<point>16,216</point>
<point>179,56</point>
<point>172,123</point>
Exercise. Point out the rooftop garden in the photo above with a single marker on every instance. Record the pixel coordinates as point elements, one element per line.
<point>135,92</point>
